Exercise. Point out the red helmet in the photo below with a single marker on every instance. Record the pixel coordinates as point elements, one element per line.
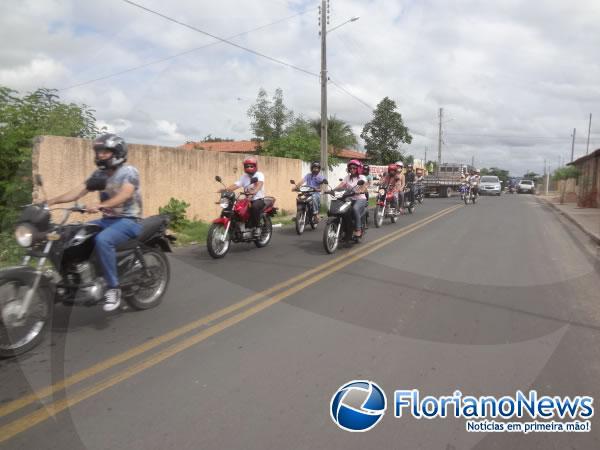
<point>354,162</point>
<point>250,165</point>
<point>393,167</point>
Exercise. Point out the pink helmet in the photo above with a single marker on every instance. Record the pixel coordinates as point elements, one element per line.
<point>354,162</point>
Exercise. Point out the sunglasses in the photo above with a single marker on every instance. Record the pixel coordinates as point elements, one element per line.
<point>248,166</point>
<point>353,167</point>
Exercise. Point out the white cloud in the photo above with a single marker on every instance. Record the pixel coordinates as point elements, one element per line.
<point>508,70</point>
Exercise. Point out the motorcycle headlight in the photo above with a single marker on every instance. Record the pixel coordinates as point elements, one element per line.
<point>24,235</point>
<point>381,191</point>
<point>224,203</point>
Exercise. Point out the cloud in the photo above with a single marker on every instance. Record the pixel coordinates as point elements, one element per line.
<point>506,73</point>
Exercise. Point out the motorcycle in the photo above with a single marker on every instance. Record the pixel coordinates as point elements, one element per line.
<point>340,224</point>
<point>231,224</point>
<point>383,207</point>
<point>28,294</point>
<point>511,189</point>
<point>304,207</point>
<point>419,193</point>
<point>463,189</point>
<point>470,195</point>
<point>409,205</point>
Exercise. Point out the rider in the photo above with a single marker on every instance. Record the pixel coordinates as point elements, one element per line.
<point>474,180</point>
<point>366,171</point>
<point>410,178</point>
<point>392,180</point>
<point>401,185</point>
<point>360,200</point>
<point>254,190</point>
<point>121,205</point>
<point>315,180</point>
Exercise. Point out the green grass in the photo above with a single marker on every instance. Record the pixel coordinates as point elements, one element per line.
<point>191,232</point>
<point>10,252</point>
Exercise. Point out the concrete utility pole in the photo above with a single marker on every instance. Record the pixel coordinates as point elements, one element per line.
<point>587,149</point>
<point>439,164</point>
<point>324,150</point>
<point>573,144</point>
<point>546,176</point>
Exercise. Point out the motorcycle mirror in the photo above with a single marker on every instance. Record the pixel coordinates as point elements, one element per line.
<point>38,180</point>
<point>340,179</point>
<point>325,181</point>
<point>218,179</point>
<point>361,182</point>
<point>292,182</point>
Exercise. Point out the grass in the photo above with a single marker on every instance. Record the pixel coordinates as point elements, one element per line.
<point>10,252</point>
<point>191,232</point>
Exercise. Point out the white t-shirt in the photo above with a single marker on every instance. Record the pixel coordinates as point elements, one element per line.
<point>351,183</point>
<point>244,182</point>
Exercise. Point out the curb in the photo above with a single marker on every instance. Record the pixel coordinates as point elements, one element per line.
<point>589,233</point>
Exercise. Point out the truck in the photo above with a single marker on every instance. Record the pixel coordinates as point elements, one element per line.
<point>447,180</point>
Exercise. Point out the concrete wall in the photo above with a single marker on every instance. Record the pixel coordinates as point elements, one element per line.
<point>570,189</point>
<point>165,172</point>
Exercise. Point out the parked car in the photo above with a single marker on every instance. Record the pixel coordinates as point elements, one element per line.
<point>490,185</point>
<point>526,186</point>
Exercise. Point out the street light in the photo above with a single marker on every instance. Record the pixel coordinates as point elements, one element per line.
<point>324,32</point>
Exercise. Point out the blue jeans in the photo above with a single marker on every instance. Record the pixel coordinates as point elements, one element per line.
<point>316,202</point>
<point>358,209</point>
<point>115,231</point>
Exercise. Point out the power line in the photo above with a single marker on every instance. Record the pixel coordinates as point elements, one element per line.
<point>167,58</point>
<point>517,136</point>
<point>362,102</point>
<point>241,47</point>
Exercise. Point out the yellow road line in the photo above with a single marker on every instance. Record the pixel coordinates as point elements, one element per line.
<point>97,368</point>
<point>32,419</point>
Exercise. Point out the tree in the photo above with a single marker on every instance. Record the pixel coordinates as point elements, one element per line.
<point>210,138</point>
<point>269,118</point>
<point>339,133</point>
<point>21,119</point>
<point>300,141</point>
<point>502,174</point>
<point>384,133</point>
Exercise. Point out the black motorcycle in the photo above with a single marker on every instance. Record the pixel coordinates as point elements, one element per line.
<point>305,213</point>
<point>419,192</point>
<point>28,292</point>
<point>340,222</point>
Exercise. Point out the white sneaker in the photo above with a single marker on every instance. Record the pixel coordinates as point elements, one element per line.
<point>112,299</point>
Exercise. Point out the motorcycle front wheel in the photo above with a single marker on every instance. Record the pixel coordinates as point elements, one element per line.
<point>216,243</point>
<point>152,287</point>
<point>300,221</point>
<point>379,213</point>
<point>330,237</point>
<point>18,336</point>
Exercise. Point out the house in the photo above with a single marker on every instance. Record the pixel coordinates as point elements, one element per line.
<point>588,195</point>
<point>250,147</point>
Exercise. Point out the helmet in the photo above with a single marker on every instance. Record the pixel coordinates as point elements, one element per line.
<point>393,167</point>
<point>400,165</point>
<point>477,171</point>
<point>409,166</point>
<point>366,169</point>
<point>113,143</point>
<point>250,165</point>
<point>315,165</point>
<point>353,162</point>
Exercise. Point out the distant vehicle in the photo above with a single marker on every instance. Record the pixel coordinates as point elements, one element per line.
<point>526,186</point>
<point>446,181</point>
<point>490,185</point>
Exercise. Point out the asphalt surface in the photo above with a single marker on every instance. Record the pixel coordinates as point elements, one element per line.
<point>488,299</point>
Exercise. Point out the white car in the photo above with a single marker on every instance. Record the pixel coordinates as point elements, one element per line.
<point>526,186</point>
<point>489,185</point>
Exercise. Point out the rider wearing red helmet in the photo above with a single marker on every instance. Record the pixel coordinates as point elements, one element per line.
<point>360,199</point>
<point>392,180</point>
<point>253,188</point>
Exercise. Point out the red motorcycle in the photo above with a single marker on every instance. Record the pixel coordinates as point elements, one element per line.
<point>233,221</point>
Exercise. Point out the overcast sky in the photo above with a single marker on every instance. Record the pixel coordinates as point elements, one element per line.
<point>514,77</point>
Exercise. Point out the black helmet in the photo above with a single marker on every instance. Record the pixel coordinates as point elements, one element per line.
<point>116,145</point>
<point>366,169</point>
<point>315,165</point>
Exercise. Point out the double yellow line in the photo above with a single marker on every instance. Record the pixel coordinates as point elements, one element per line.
<point>287,288</point>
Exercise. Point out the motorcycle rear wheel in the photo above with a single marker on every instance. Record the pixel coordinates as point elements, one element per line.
<point>152,289</point>
<point>18,336</point>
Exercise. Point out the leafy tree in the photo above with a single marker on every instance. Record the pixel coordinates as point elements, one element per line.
<point>384,133</point>
<point>502,174</point>
<point>21,119</point>
<point>269,118</point>
<point>339,133</point>
<point>431,166</point>
<point>564,173</point>
<point>209,138</point>
<point>300,141</point>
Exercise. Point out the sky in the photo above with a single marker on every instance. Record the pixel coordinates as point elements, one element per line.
<point>514,78</point>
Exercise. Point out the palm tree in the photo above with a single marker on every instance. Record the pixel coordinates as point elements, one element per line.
<point>339,133</point>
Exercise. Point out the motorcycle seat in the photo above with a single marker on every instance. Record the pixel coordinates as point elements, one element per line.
<point>269,201</point>
<point>150,226</point>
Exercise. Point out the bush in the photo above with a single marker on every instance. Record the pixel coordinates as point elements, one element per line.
<point>176,210</point>
<point>564,173</point>
<point>10,252</point>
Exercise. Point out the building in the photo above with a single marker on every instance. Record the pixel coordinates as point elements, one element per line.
<point>588,182</point>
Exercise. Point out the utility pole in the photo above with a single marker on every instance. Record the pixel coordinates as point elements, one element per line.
<point>546,176</point>
<point>587,149</point>
<point>473,160</point>
<point>324,20</point>
<point>439,164</point>
<point>573,144</point>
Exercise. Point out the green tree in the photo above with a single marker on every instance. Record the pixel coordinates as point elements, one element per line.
<point>339,133</point>
<point>384,133</point>
<point>21,119</point>
<point>502,174</point>
<point>269,118</point>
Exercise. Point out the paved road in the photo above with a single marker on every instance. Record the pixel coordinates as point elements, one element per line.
<point>246,352</point>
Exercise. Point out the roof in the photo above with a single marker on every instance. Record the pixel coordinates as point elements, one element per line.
<point>350,154</point>
<point>223,146</point>
<point>594,154</point>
